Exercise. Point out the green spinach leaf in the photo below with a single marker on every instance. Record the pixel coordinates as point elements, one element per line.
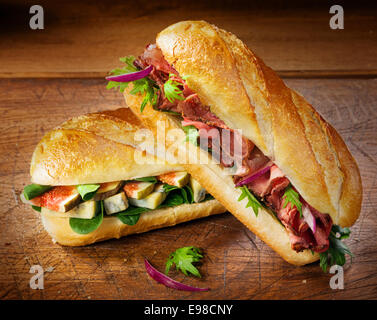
<point>147,179</point>
<point>131,215</point>
<point>39,209</point>
<point>34,190</point>
<point>173,199</point>
<point>85,226</point>
<point>87,191</point>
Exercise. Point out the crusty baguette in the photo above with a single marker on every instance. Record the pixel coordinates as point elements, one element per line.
<point>243,92</point>
<point>246,94</point>
<point>94,148</point>
<point>111,227</point>
<point>100,147</point>
<point>220,184</point>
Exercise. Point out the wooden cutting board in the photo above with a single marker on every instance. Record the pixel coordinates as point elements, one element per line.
<point>237,265</point>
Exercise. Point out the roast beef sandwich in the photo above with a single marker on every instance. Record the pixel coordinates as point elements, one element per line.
<point>292,182</point>
<point>91,183</point>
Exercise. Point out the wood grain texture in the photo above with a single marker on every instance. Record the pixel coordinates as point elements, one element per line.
<point>85,39</point>
<point>237,265</point>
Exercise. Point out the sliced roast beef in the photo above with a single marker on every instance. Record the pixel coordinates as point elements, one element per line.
<point>300,243</point>
<point>324,225</point>
<point>303,237</point>
<point>269,187</point>
<point>152,56</point>
<point>291,219</point>
<point>263,185</point>
<point>193,109</point>
<point>227,145</point>
<point>255,161</point>
<point>165,104</point>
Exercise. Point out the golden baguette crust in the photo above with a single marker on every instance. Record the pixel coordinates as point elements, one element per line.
<point>94,148</point>
<point>111,227</point>
<point>220,184</point>
<point>246,94</point>
<point>100,147</point>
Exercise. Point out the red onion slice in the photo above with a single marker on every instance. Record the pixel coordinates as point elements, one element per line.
<point>254,176</point>
<point>309,218</point>
<point>169,282</point>
<point>131,76</point>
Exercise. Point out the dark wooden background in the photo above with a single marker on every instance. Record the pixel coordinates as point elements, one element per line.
<point>48,76</point>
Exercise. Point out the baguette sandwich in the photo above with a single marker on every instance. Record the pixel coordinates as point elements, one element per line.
<point>91,183</point>
<point>293,182</point>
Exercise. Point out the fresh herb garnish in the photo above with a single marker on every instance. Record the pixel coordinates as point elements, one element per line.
<point>131,215</point>
<point>172,200</point>
<point>339,232</point>
<point>167,187</point>
<point>336,254</point>
<point>192,134</point>
<point>85,226</point>
<point>183,258</point>
<point>185,193</point>
<point>292,197</point>
<point>188,194</point>
<point>147,179</point>
<point>253,202</point>
<point>128,68</point>
<point>171,89</point>
<point>87,191</point>
<point>143,86</point>
<point>34,190</point>
<point>36,208</point>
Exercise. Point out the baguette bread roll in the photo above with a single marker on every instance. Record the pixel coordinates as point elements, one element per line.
<point>98,148</point>
<point>220,184</point>
<point>94,148</point>
<point>247,95</point>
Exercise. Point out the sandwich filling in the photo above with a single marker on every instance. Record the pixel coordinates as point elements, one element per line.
<point>307,228</point>
<point>87,205</point>
<point>258,178</point>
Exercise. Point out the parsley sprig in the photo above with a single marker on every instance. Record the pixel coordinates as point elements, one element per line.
<point>336,254</point>
<point>253,202</point>
<point>172,89</point>
<point>183,258</point>
<point>292,197</point>
<point>143,86</point>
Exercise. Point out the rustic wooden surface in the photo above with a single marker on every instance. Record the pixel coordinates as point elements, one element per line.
<point>85,38</point>
<point>80,43</point>
<point>237,265</point>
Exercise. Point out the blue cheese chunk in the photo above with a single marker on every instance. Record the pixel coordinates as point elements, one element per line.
<point>116,203</point>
